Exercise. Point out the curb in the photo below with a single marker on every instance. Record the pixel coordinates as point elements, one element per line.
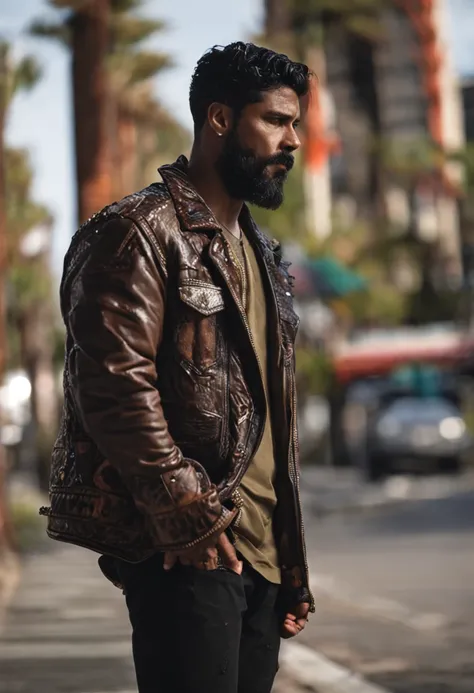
<point>324,510</point>
<point>318,674</point>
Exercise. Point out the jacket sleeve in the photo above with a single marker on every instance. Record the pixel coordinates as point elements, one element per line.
<point>116,323</point>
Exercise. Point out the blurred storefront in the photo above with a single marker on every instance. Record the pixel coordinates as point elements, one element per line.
<point>386,102</point>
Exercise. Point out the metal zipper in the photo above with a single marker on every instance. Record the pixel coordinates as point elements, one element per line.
<point>47,512</point>
<point>224,447</point>
<point>239,504</point>
<point>209,533</point>
<point>294,475</point>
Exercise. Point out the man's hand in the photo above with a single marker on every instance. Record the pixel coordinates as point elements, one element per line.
<point>204,556</point>
<point>295,621</point>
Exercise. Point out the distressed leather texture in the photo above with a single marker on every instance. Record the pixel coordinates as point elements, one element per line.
<point>163,400</point>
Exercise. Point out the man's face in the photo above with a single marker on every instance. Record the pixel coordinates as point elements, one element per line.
<point>256,155</point>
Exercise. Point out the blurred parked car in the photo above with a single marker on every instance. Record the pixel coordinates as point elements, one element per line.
<point>416,433</point>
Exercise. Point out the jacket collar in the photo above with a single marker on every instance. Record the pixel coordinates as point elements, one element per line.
<point>192,211</point>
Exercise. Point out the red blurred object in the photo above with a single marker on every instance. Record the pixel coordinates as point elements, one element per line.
<point>377,358</point>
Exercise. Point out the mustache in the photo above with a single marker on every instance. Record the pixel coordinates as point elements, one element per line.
<point>282,158</point>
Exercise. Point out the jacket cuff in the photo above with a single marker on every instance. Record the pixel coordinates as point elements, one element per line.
<point>294,589</point>
<point>200,524</point>
<point>301,595</point>
<point>182,508</point>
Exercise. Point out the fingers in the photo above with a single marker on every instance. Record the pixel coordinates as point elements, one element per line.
<point>203,559</point>
<point>228,554</point>
<point>289,629</point>
<point>302,610</point>
<point>206,560</point>
<point>209,564</point>
<point>295,621</point>
<point>169,560</point>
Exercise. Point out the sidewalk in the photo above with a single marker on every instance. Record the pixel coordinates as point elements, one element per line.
<point>10,572</point>
<point>67,630</point>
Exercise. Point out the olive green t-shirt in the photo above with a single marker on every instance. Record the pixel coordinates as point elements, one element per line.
<point>254,531</point>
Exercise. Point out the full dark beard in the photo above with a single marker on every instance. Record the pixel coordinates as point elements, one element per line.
<point>246,178</point>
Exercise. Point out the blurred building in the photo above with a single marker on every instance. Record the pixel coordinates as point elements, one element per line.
<point>385,93</point>
<point>468,106</point>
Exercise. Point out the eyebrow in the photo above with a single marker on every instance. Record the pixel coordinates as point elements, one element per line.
<point>283,116</point>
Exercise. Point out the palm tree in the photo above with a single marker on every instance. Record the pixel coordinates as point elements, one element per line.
<point>30,315</point>
<point>131,70</point>
<point>159,142</point>
<point>134,116</point>
<point>85,29</point>
<point>14,76</point>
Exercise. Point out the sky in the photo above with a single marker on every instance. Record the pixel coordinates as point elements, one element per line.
<point>41,120</point>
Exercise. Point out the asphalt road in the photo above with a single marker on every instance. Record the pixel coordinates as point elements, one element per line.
<point>395,594</point>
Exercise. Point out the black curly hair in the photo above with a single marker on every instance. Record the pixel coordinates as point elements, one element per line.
<point>237,74</point>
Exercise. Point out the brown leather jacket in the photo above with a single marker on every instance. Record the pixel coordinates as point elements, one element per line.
<point>163,399</point>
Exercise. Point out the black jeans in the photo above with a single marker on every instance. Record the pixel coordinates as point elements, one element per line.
<point>197,631</point>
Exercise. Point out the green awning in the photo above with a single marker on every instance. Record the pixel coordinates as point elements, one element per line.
<point>341,280</point>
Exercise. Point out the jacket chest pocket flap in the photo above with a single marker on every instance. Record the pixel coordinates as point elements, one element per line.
<point>197,337</point>
<point>204,298</point>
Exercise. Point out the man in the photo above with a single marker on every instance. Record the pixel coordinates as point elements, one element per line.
<point>177,454</point>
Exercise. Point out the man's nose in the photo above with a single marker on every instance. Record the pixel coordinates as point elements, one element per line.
<point>292,141</point>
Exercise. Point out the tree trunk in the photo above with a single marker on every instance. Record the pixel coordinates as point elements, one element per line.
<point>277,17</point>
<point>127,153</point>
<point>38,360</point>
<point>90,32</point>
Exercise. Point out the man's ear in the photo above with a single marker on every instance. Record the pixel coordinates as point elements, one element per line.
<point>220,118</point>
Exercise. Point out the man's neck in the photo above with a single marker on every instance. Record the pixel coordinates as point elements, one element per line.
<point>209,185</point>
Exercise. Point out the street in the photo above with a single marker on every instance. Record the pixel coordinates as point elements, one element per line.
<point>394,588</point>
<point>395,594</point>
